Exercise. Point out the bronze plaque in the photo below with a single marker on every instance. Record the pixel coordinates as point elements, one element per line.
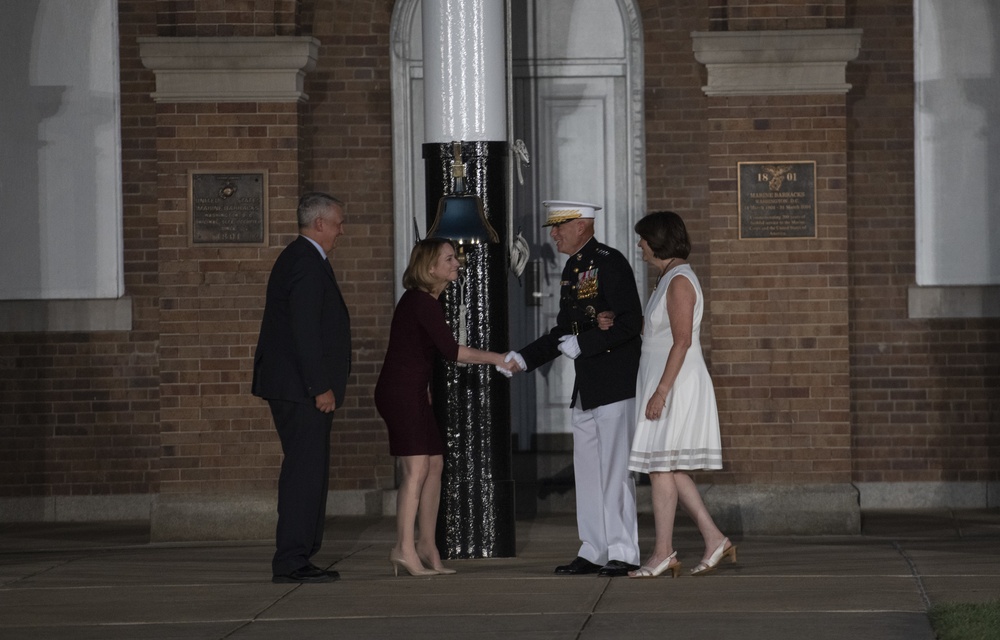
<point>777,199</point>
<point>228,208</point>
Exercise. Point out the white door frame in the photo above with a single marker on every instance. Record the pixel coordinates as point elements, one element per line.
<point>407,134</point>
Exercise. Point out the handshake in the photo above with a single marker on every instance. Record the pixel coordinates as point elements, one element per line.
<point>513,362</point>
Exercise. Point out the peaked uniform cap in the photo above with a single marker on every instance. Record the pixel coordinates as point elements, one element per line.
<point>559,211</point>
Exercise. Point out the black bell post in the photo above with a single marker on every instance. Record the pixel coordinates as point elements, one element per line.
<point>477,504</point>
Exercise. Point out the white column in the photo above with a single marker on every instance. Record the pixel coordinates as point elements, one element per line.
<point>464,70</point>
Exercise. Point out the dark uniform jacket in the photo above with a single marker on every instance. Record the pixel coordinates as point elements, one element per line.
<point>304,348</point>
<point>597,278</point>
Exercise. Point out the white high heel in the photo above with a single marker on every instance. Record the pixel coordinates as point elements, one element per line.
<point>419,570</point>
<point>653,572</point>
<point>443,570</point>
<point>705,566</point>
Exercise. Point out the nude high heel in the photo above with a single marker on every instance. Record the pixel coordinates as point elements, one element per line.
<point>653,572</point>
<point>443,570</point>
<point>398,562</point>
<point>705,566</point>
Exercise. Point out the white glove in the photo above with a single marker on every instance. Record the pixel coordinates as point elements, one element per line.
<point>505,372</point>
<point>514,355</point>
<point>570,346</point>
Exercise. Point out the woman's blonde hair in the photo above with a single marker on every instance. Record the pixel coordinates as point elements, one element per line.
<point>422,258</point>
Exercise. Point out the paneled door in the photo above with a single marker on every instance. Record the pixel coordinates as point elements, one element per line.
<point>573,129</point>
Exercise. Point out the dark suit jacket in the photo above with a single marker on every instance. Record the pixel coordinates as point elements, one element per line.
<point>304,348</point>
<point>597,278</point>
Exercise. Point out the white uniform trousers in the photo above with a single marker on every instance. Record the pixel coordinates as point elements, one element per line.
<point>605,490</point>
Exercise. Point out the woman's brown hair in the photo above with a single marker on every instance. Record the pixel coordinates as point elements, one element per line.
<point>666,235</point>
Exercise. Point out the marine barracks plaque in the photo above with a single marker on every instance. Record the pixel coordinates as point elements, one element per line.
<point>228,208</point>
<point>777,199</point>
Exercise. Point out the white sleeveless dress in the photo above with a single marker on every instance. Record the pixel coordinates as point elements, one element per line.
<point>686,437</point>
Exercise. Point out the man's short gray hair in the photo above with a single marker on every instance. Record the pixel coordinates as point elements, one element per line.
<point>312,205</point>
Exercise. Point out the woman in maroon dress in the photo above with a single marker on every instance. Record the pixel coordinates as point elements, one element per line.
<point>418,334</point>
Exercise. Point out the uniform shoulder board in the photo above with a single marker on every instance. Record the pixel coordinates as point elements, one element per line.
<point>603,252</point>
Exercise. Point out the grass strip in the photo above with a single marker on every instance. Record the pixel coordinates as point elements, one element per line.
<point>966,620</point>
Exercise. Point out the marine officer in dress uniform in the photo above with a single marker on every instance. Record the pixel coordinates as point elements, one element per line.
<point>596,279</point>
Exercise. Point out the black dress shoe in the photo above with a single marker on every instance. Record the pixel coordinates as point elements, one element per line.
<point>579,566</point>
<point>308,573</point>
<point>333,574</point>
<point>616,569</point>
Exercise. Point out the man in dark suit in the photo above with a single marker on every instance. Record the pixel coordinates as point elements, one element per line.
<point>596,280</point>
<point>301,366</point>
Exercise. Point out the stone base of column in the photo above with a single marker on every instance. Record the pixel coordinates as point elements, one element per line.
<point>195,517</point>
<point>818,509</point>
<point>190,517</point>
<point>739,509</point>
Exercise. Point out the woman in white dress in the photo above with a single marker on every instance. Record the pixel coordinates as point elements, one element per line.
<point>677,419</point>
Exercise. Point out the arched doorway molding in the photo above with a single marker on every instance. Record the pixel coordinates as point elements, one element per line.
<point>407,131</point>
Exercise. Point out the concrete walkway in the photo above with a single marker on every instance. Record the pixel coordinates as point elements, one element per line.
<point>105,581</point>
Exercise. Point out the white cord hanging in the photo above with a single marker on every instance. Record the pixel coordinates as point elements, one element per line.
<point>463,309</point>
<point>521,153</point>
<point>518,249</point>
<point>519,254</point>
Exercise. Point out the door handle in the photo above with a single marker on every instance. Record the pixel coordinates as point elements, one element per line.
<point>533,277</point>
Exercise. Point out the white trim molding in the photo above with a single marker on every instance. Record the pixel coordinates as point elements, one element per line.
<point>792,62</point>
<point>236,69</point>
<point>954,302</point>
<point>66,315</point>
<point>929,495</point>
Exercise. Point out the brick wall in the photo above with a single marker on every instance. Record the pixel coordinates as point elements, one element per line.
<point>779,306</point>
<point>219,18</point>
<point>831,366</point>
<point>214,433</point>
<point>349,123</point>
<point>925,393</point>
<point>79,412</point>
<point>216,436</point>
<point>79,415</point>
<point>676,127</point>
<point>677,134</point>
<point>758,15</point>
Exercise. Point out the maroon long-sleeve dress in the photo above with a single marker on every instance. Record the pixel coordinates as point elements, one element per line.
<point>418,333</point>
